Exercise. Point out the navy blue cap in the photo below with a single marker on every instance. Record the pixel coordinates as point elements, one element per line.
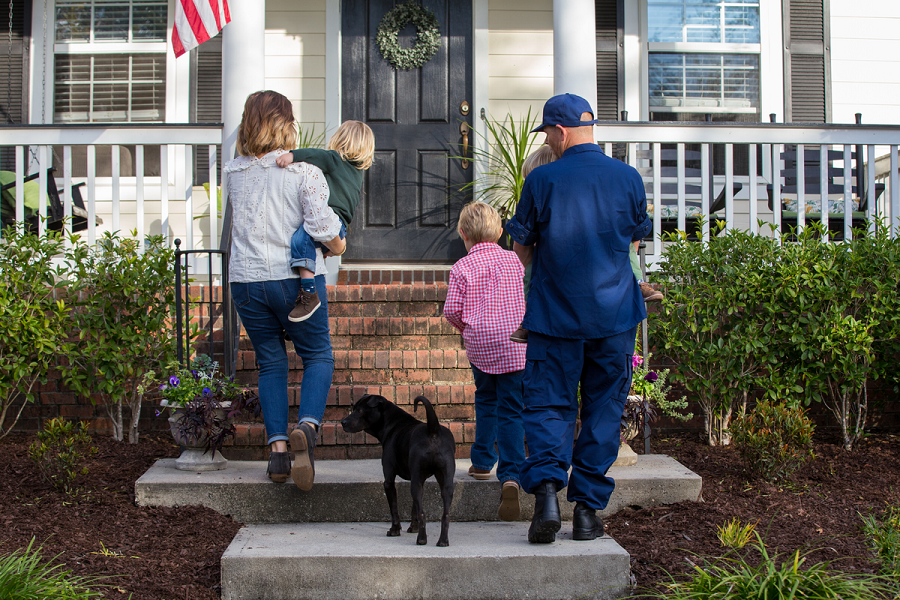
<point>565,110</point>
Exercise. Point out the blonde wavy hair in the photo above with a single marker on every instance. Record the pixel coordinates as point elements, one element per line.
<point>267,124</point>
<point>539,157</point>
<point>355,142</point>
<point>480,222</point>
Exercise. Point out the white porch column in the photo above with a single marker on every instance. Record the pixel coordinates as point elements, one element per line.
<point>575,49</point>
<point>243,64</point>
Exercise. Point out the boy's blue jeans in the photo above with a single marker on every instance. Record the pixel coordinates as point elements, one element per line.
<point>498,418</point>
<point>303,248</point>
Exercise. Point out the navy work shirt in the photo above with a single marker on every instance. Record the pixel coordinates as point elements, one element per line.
<point>582,210</point>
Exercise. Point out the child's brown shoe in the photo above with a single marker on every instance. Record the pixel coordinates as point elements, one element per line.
<point>509,502</point>
<point>307,304</point>
<point>650,293</point>
<point>519,336</point>
<point>479,474</point>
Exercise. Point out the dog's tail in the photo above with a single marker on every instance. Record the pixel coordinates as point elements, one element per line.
<point>434,427</point>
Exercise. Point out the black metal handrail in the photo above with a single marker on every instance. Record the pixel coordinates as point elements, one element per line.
<point>183,333</point>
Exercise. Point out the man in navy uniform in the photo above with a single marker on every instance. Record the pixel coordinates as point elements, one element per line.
<point>574,222</point>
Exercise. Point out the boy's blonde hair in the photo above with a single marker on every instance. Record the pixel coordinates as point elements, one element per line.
<point>541,156</point>
<point>355,142</point>
<point>480,222</point>
<point>267,124</point>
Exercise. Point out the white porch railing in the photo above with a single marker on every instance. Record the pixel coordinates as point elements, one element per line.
<point>651,145</point>
<point>674,159</point>
<point>164,202</point>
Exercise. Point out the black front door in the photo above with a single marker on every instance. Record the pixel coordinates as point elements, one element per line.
<point>411,198</point>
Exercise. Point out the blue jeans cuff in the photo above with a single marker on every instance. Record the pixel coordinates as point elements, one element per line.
<point>278,437</point>
<point>303,263</point>
<point>312,420</point>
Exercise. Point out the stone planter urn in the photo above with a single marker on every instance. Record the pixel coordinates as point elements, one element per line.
<point>627,456</point>
<point>194,455</point>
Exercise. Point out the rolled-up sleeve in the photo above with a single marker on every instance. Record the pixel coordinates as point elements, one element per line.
<point>645,225</point>
<point>319,220</point>
<point>522,226</point>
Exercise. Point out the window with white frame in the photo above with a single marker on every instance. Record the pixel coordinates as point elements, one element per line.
<point>703,63</point>
<point>110,61</point>
<point>703,55</point>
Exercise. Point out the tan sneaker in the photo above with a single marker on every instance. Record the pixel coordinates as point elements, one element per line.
<point>650,293</point>
<point>519,336</point>
<point>509,502</point>
<point>306,305</point>
<point>479,474</point>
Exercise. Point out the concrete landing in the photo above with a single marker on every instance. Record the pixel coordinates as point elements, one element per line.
<point>485,561</point>
<point>352,491</point>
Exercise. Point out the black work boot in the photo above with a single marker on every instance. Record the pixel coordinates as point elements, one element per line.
<point>586,525</point>
<point>546,521</point>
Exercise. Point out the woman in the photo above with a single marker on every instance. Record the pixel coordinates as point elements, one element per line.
<point>268,204</point>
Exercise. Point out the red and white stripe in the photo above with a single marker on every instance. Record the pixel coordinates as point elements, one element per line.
<point>196,21</point>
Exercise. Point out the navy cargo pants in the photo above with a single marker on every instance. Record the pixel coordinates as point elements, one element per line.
<point>554,368</point>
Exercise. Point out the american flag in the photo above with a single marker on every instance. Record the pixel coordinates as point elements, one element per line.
<point>196,21</point>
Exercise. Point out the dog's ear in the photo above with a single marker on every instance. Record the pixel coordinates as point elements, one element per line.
<point>373,400</point>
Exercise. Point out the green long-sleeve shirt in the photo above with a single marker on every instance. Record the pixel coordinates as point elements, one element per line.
<point>344,179</point>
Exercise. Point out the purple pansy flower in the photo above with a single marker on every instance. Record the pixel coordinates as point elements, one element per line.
<point>206,391</point>
<point>174,380</point>
<point>163,387</point>
<point>651,376</point>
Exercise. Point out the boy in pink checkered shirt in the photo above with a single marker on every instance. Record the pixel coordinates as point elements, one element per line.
<point>485,301</point>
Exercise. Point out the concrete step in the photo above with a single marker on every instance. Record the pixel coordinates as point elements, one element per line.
<point>485,561</point>
<point>352,491</point>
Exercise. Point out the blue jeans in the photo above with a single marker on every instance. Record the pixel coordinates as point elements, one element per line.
<point>554,368</point>
<point>498,418</point>
<point>263,307</point>
<point>303,249</point>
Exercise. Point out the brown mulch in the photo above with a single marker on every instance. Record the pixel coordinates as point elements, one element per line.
<point>159,553</point>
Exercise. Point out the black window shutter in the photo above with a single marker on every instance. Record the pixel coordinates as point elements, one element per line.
<point>206,94</point>
<point>610,74</point>
<point>807,61</point>
<point>14,74</point>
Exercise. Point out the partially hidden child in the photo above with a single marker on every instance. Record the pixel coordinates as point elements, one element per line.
<point>349,154</point>
<point>543,156</point>
<point>486,302</point>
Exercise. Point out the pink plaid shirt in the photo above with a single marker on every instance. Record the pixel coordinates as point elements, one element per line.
<point>485,301</point>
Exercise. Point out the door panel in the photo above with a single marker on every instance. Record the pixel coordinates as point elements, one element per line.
<point>410,203</point>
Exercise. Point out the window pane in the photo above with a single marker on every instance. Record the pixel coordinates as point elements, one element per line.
<point>713,80</point>
<point>110,88</point>
<point>149,21</point>
<point>111,21</point>
<point>73,22</point>
<point>705,21</point>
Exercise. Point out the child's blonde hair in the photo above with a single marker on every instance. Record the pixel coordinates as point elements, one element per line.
<point>267,124</point>
<point>541,156</point>
<point>355,142</point>
<point>480,222</point>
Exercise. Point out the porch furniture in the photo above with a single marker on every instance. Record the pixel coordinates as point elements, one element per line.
<point>55,207</point>
<point>693,190</point>
<point>814,198</point>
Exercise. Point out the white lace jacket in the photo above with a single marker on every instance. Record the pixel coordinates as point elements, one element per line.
<point>268,205</point>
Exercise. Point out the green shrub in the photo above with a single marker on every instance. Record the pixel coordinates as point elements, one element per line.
<point>123,321</point>
<point>884,539</point>
<point>773,439</point>
<point>24,576</point>
<point>32,318</point>
<point>730,578</point>
<point>735,535</point>
<point>60,451</point>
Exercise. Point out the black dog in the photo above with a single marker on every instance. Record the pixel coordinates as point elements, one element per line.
<point>411,449</point>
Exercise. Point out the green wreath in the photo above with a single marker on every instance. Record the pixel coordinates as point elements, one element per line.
<point>428,36</point>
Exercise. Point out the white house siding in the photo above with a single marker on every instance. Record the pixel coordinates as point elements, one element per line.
<point>520,57</point>
<point>865,60</point>
<point>295,57</point>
